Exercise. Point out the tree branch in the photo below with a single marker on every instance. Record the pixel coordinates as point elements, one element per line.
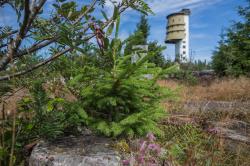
<point>83,14</point>
<point>7,77</point>
<point>14,44</point>
<point>27,21</point>
<point>26,17</point>
<point>8,34</point>
<point>3,45</point>
<point>2,2</point>
<point>57,55</point>
<point>5,60</point>
<point>37,46</point>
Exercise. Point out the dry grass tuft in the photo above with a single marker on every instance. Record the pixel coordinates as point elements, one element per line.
<point>227,89</point>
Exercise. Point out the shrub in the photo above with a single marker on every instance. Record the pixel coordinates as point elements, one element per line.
<point>122,100</point>
<point>120,97</point>
<point>37,117</point>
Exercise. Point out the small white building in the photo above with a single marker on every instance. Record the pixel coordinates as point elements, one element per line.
<point>178,34</point>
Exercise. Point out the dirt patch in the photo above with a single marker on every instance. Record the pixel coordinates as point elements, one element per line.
<point>9,102</point>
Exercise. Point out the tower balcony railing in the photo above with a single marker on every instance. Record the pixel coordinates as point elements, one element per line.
<point>175,31</point>
<point>175,24</point>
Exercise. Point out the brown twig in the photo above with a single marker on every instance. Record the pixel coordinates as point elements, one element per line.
<point>7,77</point>
<point>37,47</point>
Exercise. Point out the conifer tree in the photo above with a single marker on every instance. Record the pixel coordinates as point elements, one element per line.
<point>144,28</point>
<point>122,99</point>
<point>140,37</point>
<point>157,50</point>
<point>232,57</point>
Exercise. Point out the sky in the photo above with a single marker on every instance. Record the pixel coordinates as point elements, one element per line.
<point>208,19</point>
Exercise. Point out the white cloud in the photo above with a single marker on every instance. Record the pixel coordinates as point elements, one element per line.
<point>110,6</point>
<point>164,7</point>
<point>167,6</point>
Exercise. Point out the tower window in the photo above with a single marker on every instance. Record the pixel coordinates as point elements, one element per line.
<point>184,52</point>
<point>184,46</point>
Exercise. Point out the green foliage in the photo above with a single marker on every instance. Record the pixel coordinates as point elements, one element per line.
<point>139,5</point>
<point>197,65</point>
<point>232,56</point>
<point>122,98</point>
<point>115,97</point>
<point>144,28</point>
<point>38,117</point>
<point>140,37</point>
<point>47,122</point>
<point>158,57</point>
<point>66,27</point>
<point>188,144</point>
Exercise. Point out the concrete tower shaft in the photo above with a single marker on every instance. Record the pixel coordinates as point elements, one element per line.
<point>178,33</point>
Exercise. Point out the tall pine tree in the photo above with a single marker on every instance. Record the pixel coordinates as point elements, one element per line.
<point>232,56</point>
<point>140,37</point>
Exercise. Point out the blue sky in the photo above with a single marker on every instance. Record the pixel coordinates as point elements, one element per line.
<point>208,19</point>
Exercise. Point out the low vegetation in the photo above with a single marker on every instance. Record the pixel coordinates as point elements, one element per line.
<point>220,89</point>
<point>203,127</point>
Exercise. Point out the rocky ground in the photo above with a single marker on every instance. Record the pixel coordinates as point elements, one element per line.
<point>229,120</point>
<point>84,150</point>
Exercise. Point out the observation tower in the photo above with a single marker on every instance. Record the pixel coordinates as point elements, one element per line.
<point>178,34</point>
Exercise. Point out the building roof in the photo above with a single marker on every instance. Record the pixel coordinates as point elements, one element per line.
<point>182,12</point>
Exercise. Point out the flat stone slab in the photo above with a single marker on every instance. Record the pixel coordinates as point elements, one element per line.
<point>75,151</point>
<point>216,106</point>
<point>235,130</point>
